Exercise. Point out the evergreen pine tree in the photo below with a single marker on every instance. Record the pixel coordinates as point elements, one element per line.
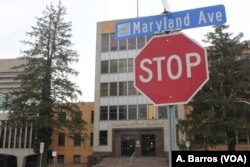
<point>45,91</point>
<point>218,113</point>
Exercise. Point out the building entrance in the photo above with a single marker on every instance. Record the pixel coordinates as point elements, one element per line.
<point>148,145</point>
<point>127,145</point>
<point>144,142</point>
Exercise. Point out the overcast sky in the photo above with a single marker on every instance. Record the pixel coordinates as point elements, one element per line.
<point>17,17</point>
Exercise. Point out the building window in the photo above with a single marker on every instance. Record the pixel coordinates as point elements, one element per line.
<point>131,88</point>
<point>113,113</point>
<point>132,112</point>
<point>92,117</point>
<point>77,159</point>
<point>61,139</point>
<point>104,67</point>
<point>104,89</point>
<point>103,113</point>
<point>122,88</point>
<point>142,111</point>
<point>130,65</point>
<point>113,89</point>
<point>91,139</point>
<point>162,112</point>
<point>176,111</point>
<point>131,43</point>
<point>242,138</point>
<point>140,42</point>
<point>122,44</point>
<point>113,66</point>
<point>62,117</point>
<point>77,140</point>
<point>113,43</point>
<point>105,42</point>
<point>103,137</point>
<point>122,65</point>
<point>78,116</point>
<point>60,159</point>
<point>122,112</point>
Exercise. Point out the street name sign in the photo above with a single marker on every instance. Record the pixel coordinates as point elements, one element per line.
<point>199,17</point>
<point>171,69</point>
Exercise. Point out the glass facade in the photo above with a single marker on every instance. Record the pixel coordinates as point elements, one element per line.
<point>108,43</point>
<point>112,66</point>
<point>124,88</point>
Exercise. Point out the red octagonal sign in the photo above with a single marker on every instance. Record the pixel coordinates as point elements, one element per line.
<point>171,69</point>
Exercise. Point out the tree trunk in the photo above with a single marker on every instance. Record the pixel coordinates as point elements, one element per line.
<point>232,140</point>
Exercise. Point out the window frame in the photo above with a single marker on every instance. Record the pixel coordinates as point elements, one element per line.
<point>163,112</point>
<point>76,159</point>
<point>105,46</point>
<point>123,112</point>
<point>61,139</point>
<point>104,67</point>
<point>103,137</point>
<point>77,140</point>
<point>104,113</point>
<point>113,112</point>
<point>104,89</point>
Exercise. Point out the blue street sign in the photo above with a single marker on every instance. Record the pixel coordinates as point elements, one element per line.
<point>200,17</point>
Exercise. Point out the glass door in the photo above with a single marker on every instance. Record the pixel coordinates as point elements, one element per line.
<point>148,145</point>
<point>127,145</point>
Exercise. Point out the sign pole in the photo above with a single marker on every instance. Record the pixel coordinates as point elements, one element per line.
<point>171,132</point>
<point>54,154</point>
<point>41,153</point>
<point>137,10</point>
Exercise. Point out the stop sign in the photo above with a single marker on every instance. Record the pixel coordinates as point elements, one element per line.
<point>171,69</point>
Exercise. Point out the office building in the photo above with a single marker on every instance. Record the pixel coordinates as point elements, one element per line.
<point>8,74</point>
<point>126,122</point>
<point>71,151</point>
<point>17,142</point>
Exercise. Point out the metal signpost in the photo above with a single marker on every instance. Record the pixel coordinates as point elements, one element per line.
<point>54,154</point>
<point>41,150</point>
<point>200,17</point>
<point>171,132</point>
